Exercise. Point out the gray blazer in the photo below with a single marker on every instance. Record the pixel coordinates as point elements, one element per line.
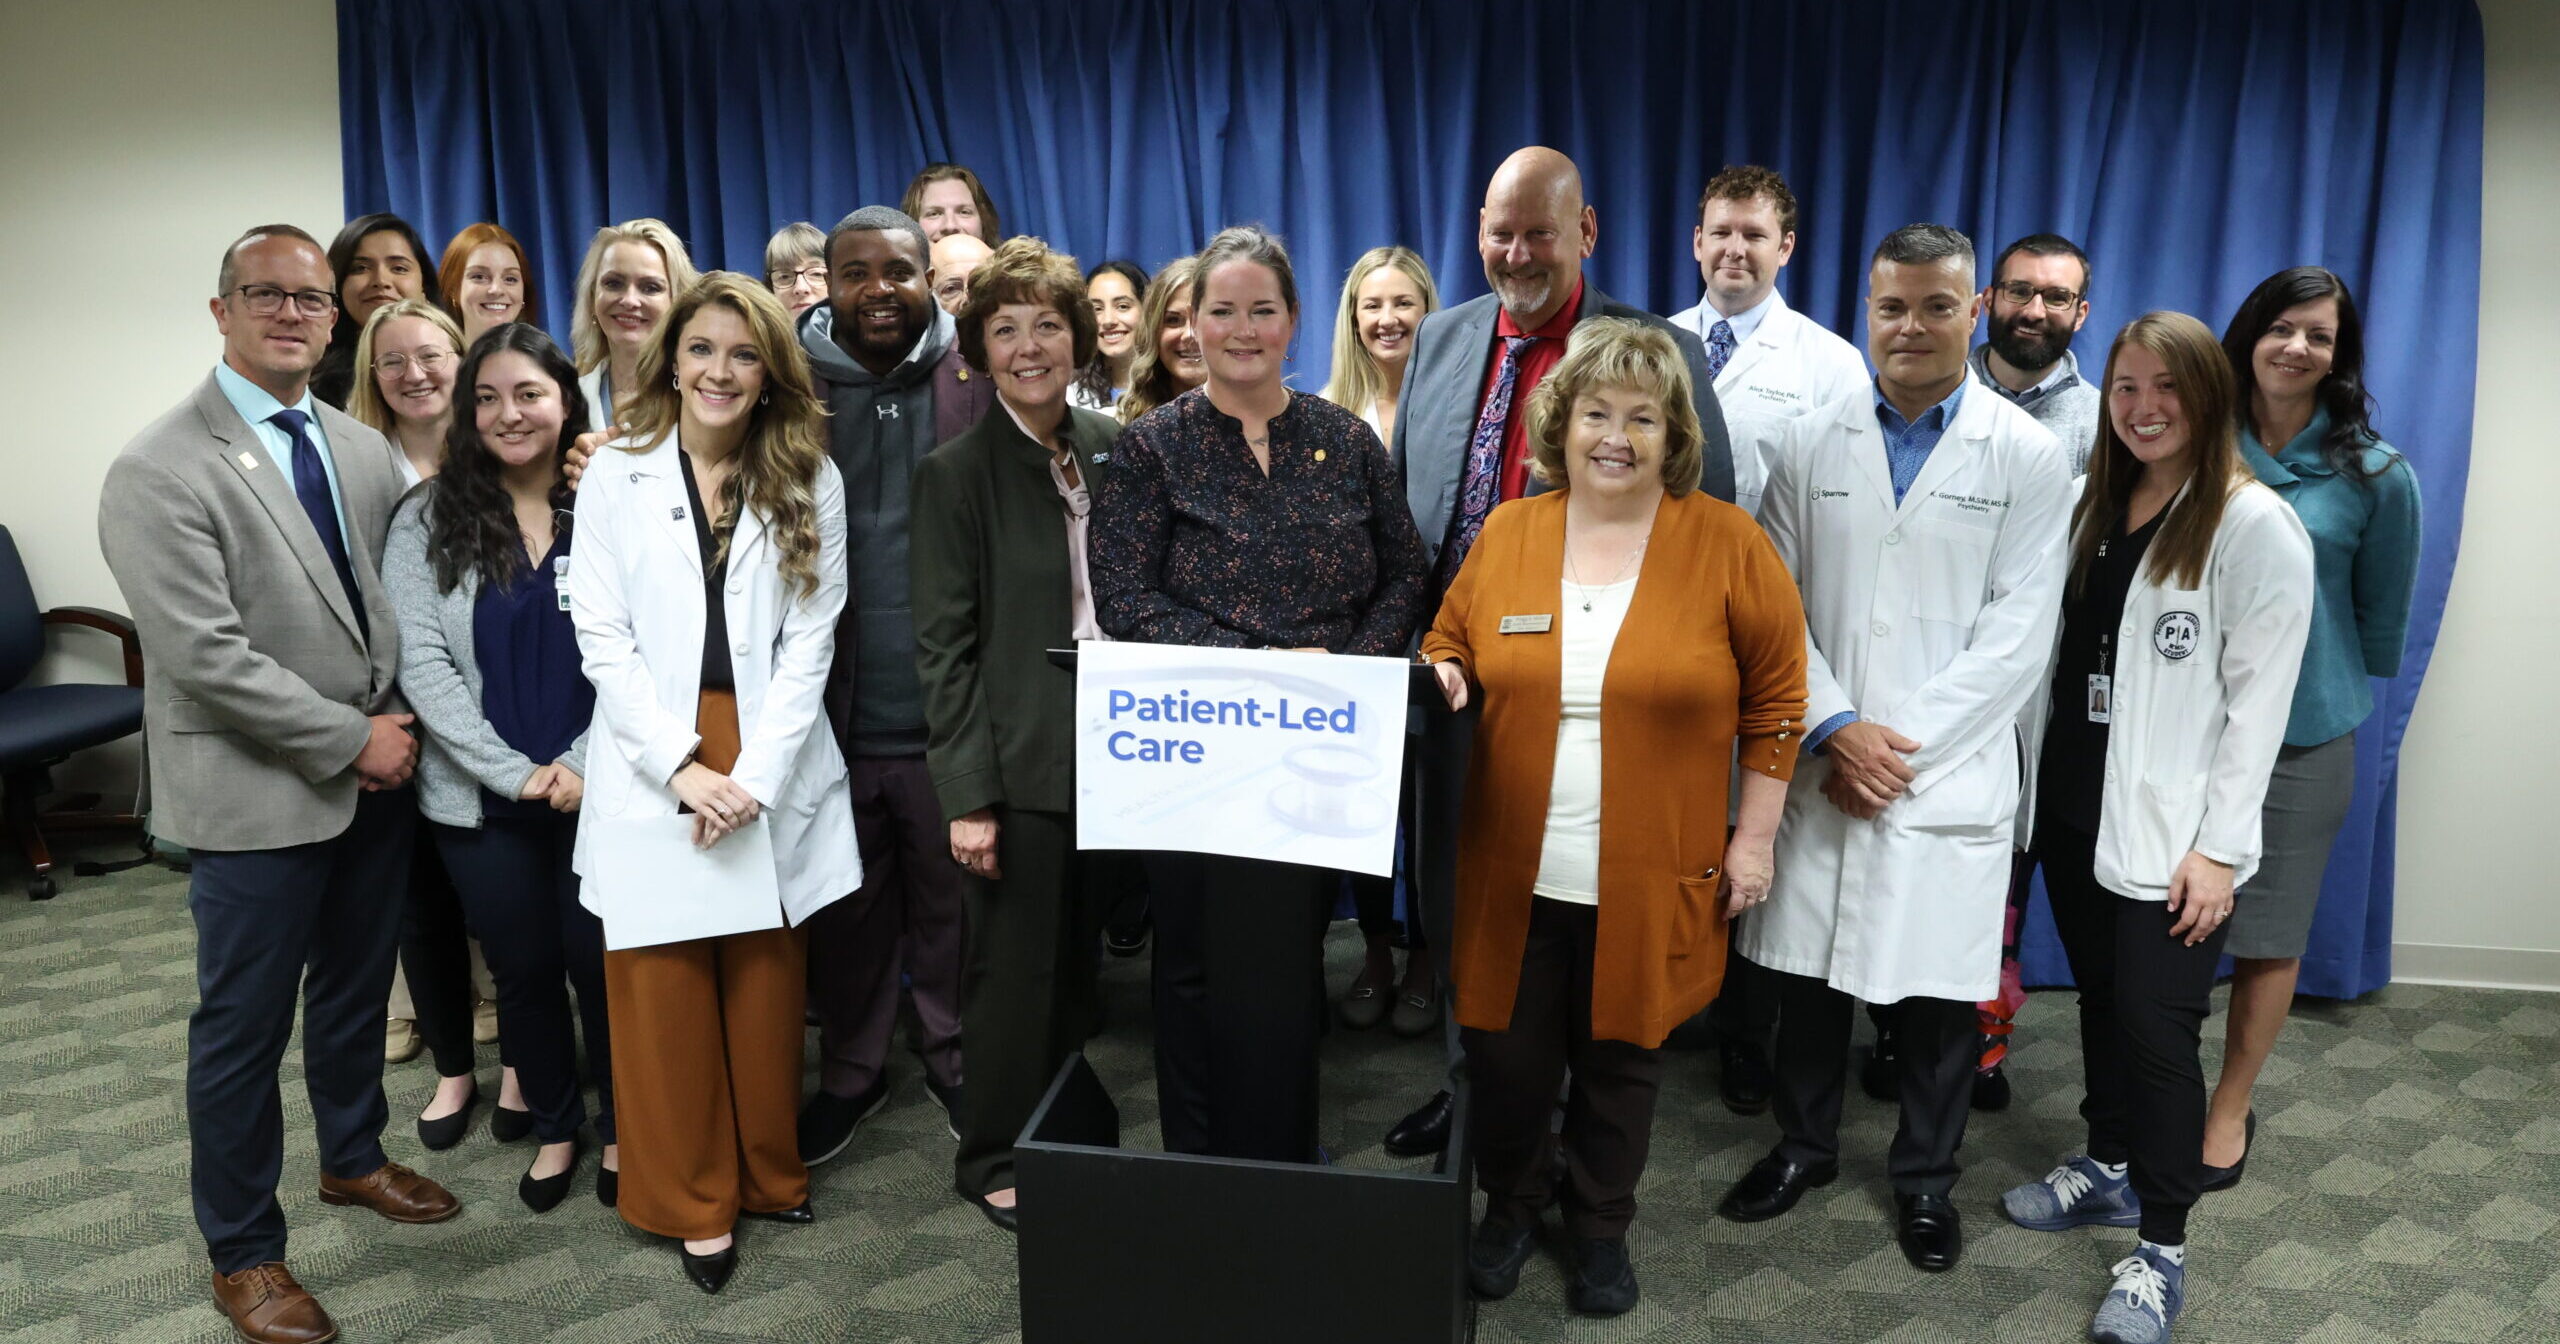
<point>257,681</point>
<point>1444,382</point>
<point>440,677</point>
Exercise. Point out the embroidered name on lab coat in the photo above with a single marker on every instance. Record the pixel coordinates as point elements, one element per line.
<point>1970,503</point>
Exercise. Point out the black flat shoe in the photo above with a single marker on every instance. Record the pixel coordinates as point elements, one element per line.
<point>2223,1178</point>
<point>1010,1219</point>
<point>1425,1131</point>
<point>608,1186</point>
<point>1991,1089</point>
<point>1931,1234</point>
<point>710,1273</point>
<point>447,1130</point>
<point>1494,1257</point>
<point>1771,1187</point>
<point>1743,1078</point>
<point>544,1194</point>
<point>508,1126</point>
<point>798,1215</point>
<point>1604,1280</point>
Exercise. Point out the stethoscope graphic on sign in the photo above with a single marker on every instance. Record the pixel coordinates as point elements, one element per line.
<point>1330,786</point>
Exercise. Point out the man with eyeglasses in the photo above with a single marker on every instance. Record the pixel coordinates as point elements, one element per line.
<point>2037,299</point>
<point>955,257</point>
<point>244,527</point>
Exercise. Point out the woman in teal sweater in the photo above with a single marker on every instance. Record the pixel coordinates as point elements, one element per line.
<point>2297,347</point>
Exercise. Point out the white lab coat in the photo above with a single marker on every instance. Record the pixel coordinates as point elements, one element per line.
<point>1935,619</point>
<point>635,593</point>
<point>2202,687</point>
<point>1792,365</point>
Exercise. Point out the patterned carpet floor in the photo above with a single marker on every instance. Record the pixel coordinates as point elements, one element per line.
<point>2406,1186</point>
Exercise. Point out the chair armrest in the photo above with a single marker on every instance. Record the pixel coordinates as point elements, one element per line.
<point>120,626</point>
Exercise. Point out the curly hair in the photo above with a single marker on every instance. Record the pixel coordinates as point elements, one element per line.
<point>1024,270</point>
<point>1151,380</point>
<point>1621,353</point>
<point>471,530</point>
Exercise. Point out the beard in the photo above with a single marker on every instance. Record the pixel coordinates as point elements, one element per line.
<point>2030,350</point>
<point>1523,294</point>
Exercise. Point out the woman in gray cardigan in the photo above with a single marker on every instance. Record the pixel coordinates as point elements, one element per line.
<point>489,661</point>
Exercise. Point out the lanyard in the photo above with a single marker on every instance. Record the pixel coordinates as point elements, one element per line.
<point>2106,638</point>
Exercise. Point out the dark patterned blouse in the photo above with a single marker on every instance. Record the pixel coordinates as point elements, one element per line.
<point>1192,544</point>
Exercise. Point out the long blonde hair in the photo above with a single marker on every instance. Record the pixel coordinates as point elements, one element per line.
<point>364,400</point>
<point>2207,397</point>
<point>1151,381</point>
<point>1357,378</point>
<point>586,338</point>
<point>778,462</point>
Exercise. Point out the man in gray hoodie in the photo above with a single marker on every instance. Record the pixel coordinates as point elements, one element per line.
<point>889,369</point>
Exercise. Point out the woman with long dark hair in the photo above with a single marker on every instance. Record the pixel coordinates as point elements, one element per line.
<point>489,662</point>
<point>376,260</point>
<point>2296,349</point>
<point>1117,293</point>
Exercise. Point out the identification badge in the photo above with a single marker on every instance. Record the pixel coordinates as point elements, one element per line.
<point>560,580</point>
<point>2101,696</point>
<point>1529,625</point>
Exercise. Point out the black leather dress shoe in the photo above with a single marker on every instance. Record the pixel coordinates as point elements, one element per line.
<point>1007,1217</point>
<point>1494,1257</point>
<point>798,1215</point>
<point>447,1130</point>
<point>710,1273</point>
<point>1424,1132</point>
<point>1771,1187</point>
<point>1744,1078</point>
<point>1991,1089</point>
<point>1932,1236</point>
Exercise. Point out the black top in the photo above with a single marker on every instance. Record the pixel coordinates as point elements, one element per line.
<point>1193,544</point>
<point>533,690</point>
<point>716,674</point>
<point>2071,776</point>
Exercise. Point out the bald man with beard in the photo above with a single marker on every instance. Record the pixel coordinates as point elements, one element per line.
<point>1462,444</point>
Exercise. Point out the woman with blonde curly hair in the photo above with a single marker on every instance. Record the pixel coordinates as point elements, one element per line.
<point>709,575</point>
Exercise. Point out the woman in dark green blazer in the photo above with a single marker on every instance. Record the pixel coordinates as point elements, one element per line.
<point>997,555</point>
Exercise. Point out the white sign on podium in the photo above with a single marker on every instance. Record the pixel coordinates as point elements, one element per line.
<point>1256,753</point>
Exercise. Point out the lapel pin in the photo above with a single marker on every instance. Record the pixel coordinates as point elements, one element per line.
<point>678,513</point>
<point>248,462</point>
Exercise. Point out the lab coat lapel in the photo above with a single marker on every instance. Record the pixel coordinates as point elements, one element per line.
<point>657,478</point>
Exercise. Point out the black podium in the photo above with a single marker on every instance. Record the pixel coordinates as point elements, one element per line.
<point>1131,1247</point>
<point>1160,1248</point>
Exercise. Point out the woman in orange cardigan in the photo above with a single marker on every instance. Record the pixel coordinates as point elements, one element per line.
<point>1595,877</point>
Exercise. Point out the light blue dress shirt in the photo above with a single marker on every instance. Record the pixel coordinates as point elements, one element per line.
<point>2364,545</point>
<point>1744,323</point>
<point>255,405</point>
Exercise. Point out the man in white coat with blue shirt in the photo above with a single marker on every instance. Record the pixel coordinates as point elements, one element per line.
<point>1924,522</point>
<point>1768,364</point>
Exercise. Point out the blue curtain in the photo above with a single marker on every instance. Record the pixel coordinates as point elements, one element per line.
<point>2192,146</point>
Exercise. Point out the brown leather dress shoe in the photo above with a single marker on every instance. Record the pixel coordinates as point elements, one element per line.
<point>395,1192</point>
<point>267,1307</point>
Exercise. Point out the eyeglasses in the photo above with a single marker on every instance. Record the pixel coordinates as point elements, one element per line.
<point>814,275</point>
<point>427,362</point>
<point>267,300</point>
<point>2056,298</point>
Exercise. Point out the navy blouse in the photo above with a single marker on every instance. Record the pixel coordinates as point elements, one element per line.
<point>533,690</point>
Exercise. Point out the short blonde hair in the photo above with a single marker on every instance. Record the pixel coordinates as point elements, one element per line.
<point>364,400</point>
<point>1640,357</point>
<point>586,338</point>
<point>792,246</point>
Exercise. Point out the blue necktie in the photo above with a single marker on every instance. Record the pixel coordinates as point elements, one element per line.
<point>1720,345</point>
<point>311,486</point>
<point>1482,481</point>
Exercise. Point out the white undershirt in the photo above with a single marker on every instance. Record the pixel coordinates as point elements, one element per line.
<point>1569,860</point>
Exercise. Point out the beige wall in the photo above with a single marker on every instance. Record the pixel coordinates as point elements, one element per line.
<point>120,181</point>
<point>141,137</point>
<point>2479,893</point>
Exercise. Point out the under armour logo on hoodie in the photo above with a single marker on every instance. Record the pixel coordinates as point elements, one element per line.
<point>887,410</point>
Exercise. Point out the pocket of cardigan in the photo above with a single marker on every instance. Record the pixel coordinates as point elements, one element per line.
<point>1696,912</point>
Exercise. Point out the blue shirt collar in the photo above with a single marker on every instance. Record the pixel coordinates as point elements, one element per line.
<point>1937,417</point>
<point>254,403</point>
<point>1745,323</point>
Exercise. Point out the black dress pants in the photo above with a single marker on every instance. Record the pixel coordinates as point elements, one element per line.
<point>1239,1003</point>
<point>435,951</point>
<point>1608,1111</point>
<point>2144,997</point>
<point>1031,990</point>
<point>1814,1022</point>
<point>318,923</point>
<point>520,894</point>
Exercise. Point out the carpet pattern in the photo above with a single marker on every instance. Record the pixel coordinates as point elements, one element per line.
<point>2406,1186</point>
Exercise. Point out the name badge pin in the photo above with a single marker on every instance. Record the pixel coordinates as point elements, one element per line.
<point>1538,624</point>
<point>248,462</point>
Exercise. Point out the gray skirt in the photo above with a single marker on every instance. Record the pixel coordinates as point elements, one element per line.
<point>2307,801</point>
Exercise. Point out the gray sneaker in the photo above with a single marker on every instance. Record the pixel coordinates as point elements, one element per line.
<point>2148,1291</point>
<point>2079,1193</point>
